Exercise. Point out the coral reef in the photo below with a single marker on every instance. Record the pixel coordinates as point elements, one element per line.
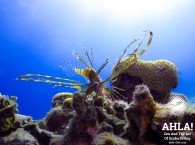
<point>79,119</point>
<point>137,109</point>
<point>160,76</point>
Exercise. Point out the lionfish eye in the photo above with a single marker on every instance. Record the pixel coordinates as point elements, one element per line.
<point>95,84</point>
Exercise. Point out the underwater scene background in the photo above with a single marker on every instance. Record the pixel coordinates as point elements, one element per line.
<point>37,36</point>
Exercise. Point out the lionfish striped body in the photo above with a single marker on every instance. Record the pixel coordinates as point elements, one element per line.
<point>96,84</point>
<point>94,79</point>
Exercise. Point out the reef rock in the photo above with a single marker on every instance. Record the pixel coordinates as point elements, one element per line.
<point>43,137</point>
<point>8,108</point>
<point>22,119</point>
<point>106,138</point>
<point>59,98</point>
<point>147,117</point>
<point>19,137</point>
<point>57,119</point>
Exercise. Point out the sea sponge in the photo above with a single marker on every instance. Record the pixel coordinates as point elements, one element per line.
<point>160,76</point>
<point>105,127</point>
<point>119,107</point>
<point>141,111</point>
<point>78,103</point>
<point>83,127</point>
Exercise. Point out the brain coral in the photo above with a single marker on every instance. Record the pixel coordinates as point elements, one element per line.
<point>160,76</point>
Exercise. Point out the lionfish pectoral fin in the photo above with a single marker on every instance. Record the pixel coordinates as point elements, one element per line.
<point>122,55</point>
<point>134,51</point>
<point>56,81</point>
<point>133,57</point>
<point>147,45</point>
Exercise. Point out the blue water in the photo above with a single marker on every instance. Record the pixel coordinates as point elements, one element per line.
<point>37,35</point>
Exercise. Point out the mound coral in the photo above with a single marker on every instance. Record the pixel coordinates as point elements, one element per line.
<point>160,76</point>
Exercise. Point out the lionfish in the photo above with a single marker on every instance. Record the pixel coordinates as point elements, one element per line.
<point>95,83</point>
